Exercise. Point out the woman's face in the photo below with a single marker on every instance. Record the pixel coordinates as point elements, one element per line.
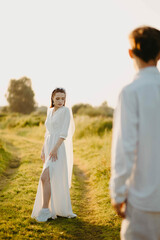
<point>59,99</point>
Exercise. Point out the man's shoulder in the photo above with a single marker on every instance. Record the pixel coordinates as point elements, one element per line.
<point>129,88</point>
<point>135,85</point>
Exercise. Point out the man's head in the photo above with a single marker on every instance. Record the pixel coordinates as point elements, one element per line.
<point>145,44</point>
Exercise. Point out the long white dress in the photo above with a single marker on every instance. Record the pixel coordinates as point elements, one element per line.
<point>57,126</point>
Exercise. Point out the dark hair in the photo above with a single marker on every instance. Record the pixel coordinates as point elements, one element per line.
<point>145,42</point>
<point>56,90</point>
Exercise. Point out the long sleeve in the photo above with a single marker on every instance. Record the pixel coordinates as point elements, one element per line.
<point>124,144</point>
<point>66,122</point>
<point>46,132</point>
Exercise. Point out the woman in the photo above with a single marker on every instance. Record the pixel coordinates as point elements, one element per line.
<point>53,197</point>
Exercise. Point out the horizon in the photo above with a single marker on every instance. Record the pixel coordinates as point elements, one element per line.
<point>79,46</point>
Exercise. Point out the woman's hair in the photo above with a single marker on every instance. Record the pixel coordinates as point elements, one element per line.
<point>56,90</point>
<point>145,42</point>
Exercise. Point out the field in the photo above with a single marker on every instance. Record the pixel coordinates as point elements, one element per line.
<point>21,140</point>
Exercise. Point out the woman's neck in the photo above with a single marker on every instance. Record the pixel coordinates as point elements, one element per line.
<point>55,108</point>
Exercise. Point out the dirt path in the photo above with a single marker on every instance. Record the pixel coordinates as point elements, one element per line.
<point>91,230</point>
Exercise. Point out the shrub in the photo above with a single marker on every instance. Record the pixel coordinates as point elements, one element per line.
<point>87,126</point>
<point>85,109</point>
<point>16,120</point>
<point>5,157</point>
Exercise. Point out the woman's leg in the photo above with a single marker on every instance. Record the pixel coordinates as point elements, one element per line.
<point>45,178</point>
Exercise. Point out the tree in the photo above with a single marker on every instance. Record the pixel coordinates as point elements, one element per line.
<point>86,109</point>
<point>104,104</point>
<point>20,96</point>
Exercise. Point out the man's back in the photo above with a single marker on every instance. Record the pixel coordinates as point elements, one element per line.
<point>135,178</point>
<point>144,190</point>
<point>136,142</point>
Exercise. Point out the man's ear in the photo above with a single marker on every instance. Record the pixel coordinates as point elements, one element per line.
<point>130,53</point>
<point>158,57</point>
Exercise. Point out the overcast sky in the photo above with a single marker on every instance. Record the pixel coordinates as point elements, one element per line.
<point>81,45</point>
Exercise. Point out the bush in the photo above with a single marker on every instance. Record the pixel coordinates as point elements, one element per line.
<point>5,157</point>
<point>87,126</point>
<point>4,109</point>
<point>16,120</point>
<point>105,126</point>
<point>85,109</point>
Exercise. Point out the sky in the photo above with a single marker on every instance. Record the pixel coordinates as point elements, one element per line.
<point>80,45</point>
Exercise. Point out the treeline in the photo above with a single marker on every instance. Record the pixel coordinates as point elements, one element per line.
<point>86,109</point>
<point>20,97</point>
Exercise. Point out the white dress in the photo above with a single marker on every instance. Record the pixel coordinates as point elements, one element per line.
<point>57,125</point>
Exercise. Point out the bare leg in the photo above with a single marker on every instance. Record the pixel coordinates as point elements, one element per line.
<point>45,178</point>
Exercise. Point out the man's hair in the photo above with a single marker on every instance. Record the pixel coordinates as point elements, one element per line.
<point>145,42</point>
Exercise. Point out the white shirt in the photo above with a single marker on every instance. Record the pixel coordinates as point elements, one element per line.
<point>136,143</point>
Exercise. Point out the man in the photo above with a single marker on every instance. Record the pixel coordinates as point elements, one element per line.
<point>135,175</point>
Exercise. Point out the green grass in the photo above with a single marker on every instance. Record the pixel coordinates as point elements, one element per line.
<point>17,120</point>
<point>5,157</point>
<point>88,126</point>
<point>89,193</point>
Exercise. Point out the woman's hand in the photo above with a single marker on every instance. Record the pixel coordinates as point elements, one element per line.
<point>53,155</point>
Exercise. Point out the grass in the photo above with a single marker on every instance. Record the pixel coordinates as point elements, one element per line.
<point>89,193</point>
<point>17,120</point>
<point>5,157</point>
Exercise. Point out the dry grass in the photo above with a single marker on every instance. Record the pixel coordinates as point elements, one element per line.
<point>89,193</point>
